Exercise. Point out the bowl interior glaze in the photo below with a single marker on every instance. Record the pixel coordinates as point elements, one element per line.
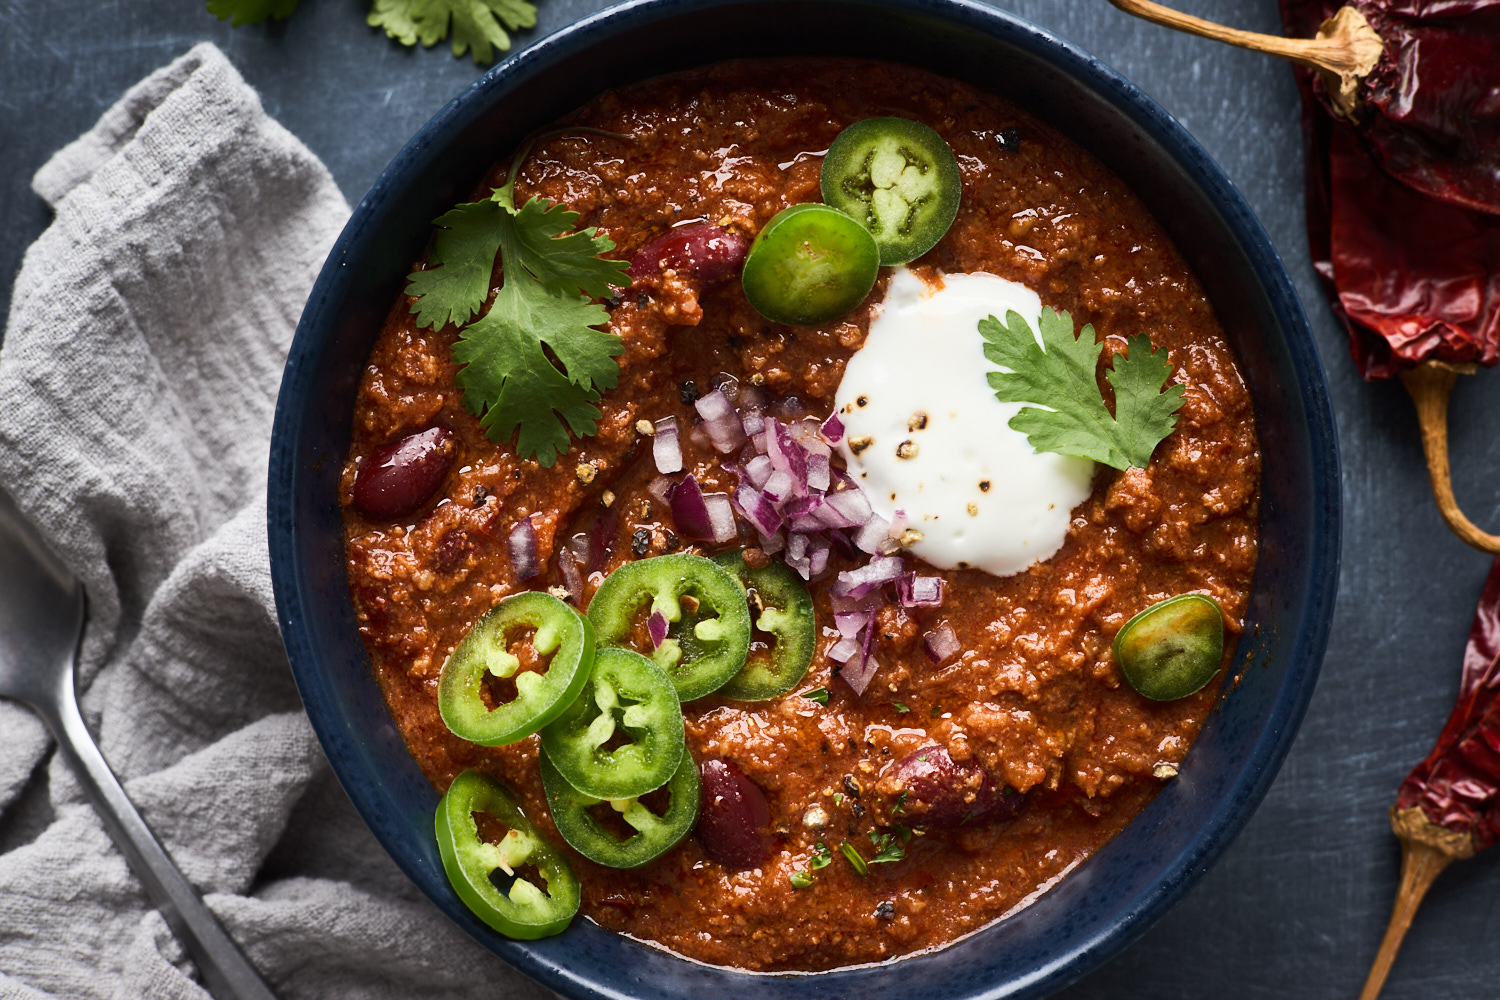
<point>1108,901</point>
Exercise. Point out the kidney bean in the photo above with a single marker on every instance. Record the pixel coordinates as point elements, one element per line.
<point>398,478</point>
<point>940,791</point>
<point>704,251</point>
<point>732,825</point>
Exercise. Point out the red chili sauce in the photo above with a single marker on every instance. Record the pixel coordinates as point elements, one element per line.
<point>1035,696</point>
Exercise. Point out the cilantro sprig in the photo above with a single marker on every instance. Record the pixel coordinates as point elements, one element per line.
<point>1068,415</point>
<point>550,278</point>
<point>477,26</point>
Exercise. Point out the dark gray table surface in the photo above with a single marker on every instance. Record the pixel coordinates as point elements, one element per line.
<point>1297,905</point>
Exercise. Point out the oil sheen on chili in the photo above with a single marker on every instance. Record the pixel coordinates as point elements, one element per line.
<point>1034,698</point>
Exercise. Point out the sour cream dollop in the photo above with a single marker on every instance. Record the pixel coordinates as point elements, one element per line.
<point>924,433</point>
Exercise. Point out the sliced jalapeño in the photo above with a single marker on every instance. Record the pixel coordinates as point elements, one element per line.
<point>782,607</point>
<point>624,735</point>
<point>649,836</point>
<point>525,910</point>
<point>556,631</point>
<point>708,622</point>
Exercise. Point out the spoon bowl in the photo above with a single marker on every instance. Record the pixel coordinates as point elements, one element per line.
<point>42,612</point>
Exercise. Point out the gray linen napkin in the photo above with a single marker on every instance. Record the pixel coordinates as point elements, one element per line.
<point>138,374</point>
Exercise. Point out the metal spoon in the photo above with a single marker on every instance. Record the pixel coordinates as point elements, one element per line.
<point>41,620</point>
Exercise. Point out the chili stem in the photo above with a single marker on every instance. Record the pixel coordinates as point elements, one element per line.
<point>1430,385</point>
<point>1426,849</point>
<point>1345,48</point>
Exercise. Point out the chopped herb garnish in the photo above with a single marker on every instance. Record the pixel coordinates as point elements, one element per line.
<point>819,695</point>
<point>838,798</point>
<point>937,710</point>
<point>801,880</point>
<point>900,803</point>
<point>886,848</point>
<point>821,857</point>
<point>899,707</point>
<point>851,852</point>
<point>545,304</point>
<point>1059,375</point>
<point>476,25</point>
<point>902,833</point>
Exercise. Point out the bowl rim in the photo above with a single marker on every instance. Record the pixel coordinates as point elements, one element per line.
<point>545,961</point>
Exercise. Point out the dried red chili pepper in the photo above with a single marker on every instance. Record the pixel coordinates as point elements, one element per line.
<point>1402,129</point>
<point>1449,806</point>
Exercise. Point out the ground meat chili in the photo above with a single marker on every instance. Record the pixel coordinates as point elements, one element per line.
<point>1034,698</point>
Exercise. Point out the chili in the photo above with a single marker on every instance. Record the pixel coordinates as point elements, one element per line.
<point>785,612</point>
<point>524,910</point>
<point>1448,807</point>
<point>655,834</point>
<point>707,636</point>
<point>624,735</point>
<point>1403,189</point>
<point>559,631</point>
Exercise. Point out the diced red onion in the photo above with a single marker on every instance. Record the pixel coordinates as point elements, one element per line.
<point>581,547</point>
<point>567,565</point>
<point>778,487</point>
<point>522,544</point>
<point>690,512</point>
<point>753,423</point>
<point>862,580</point>
<point>759,511</point>
<point>843,544</point>
<point>698,436</point>
<point>759,471</point>
<point>786,454</point>
<point>728,385</point>
<point>915,591</point>
<point>665,447</point>
<point>773,544</point>
<point>806,523</point>
<point>841,480</point>
<point>851,623</point>
<point>860,669</point>
<point>840,651</point>
<point>720,517</point>
<point>721,421</point>
<point>818,555</point>
<point>801,505</point>
<point>940,643</point>
<point>853,505</point>
<point>867,602</point>
<point>797,556</point>
<point>874,533</point>
<point>833,429</point>
<point>808,434</point>
<point>661,488</point>
<point>657,626</point>
<point>818,476</point>
<point>858,673</point>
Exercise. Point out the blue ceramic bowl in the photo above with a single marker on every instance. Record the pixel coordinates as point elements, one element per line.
<point>1112,898</point>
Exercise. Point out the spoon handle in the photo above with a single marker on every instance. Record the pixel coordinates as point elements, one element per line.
<point>226,973</point>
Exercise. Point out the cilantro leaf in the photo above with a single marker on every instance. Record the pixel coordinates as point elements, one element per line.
<point>508,379</point>
<point>1059,375</point>
<point>819,695</point>
<point>464,251</point>
<point>821,857</point>
<point>475,23</point>
<point>886,849</point>
<point>250,11</point>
